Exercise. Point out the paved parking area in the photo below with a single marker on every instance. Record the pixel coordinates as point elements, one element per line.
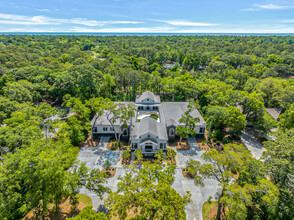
<point>181,184</point>
<point>251,144</point>
<point>194,153</point>
<point>95,158</point>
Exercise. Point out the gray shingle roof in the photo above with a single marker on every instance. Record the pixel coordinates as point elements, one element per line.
<point>174,110</point>
<point>102,120</point>
<point>274,112</point>
<point>148,94</point>
<point>149,125</point>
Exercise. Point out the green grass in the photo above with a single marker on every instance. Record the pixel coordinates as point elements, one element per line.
<point>206,208</point>
<point>85,199</point>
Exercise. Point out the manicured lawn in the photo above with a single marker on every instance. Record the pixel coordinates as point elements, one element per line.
<point>85,199</point>
<point>209,210</point>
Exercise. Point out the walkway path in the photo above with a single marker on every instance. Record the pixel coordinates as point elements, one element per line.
<point>252,145</point>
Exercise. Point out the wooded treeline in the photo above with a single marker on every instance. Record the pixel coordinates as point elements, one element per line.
<point>217,71</point>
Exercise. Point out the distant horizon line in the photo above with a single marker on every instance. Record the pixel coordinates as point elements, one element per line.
<point>140,33</point>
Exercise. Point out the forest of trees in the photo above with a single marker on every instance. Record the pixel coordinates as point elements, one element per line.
<point>41,76</point>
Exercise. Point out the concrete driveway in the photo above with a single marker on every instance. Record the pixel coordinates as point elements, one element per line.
<point>194,153</point>
<point>95,158</point>
<point>251,144</point>
<point>181,184</point>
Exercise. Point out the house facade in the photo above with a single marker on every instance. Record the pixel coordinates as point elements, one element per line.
<point>154,124</point>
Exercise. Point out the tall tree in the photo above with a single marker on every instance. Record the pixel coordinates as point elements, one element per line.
<point>149,192</point>
<point>119,115</point>
<point>279,161</point>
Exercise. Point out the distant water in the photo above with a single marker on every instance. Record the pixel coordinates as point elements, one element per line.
<point>147,34</point>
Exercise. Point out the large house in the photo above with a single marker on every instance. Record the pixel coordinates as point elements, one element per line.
<point>149,134</point>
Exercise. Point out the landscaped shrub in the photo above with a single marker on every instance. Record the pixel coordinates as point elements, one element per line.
<point>217,142</point>
<point>226,140</point>
<point>217,135</point>
<point>203,142</point>
<point>126,155</point>
<point>154,116</point>
<point>171,154</point>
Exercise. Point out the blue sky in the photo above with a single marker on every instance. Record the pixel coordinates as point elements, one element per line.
<point>148,16</point>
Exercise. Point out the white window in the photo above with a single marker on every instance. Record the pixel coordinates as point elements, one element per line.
<point>104,128</point>
<point>95,129</point>
<point>202,130</point>
<point>161,145</point>
<point>125,132</point>
<point>111,128</point>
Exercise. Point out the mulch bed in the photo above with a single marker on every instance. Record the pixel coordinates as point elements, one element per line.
<point>202,146</point>
<point>183,146</point>
<point>176,143</point>
<point>126,162</point>
<point>87,143</point>
<point>187,174</point>
<point>171,161</point>
<point>110,147</point>
<point>110,173</point>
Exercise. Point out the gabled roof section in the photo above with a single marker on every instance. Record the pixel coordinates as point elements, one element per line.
<point>148,94</point>
<point>102,120</point>
<point>274,112</point>
<point>173,111</point>
<point>149,125</point>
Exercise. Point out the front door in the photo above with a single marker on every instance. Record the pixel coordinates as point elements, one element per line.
<point>148,148</point>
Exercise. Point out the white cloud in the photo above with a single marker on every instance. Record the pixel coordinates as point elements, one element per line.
<point>26,20</point>
<point>258,7</point>
<point>274,7</point>
<point>93,23</point>
<point>43,20</point>
<point>185,23</point>
<point>161,29</point>
<point>157,29</point>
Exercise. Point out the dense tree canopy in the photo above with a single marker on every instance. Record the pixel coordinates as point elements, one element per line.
<point>57,84</point>
<point>149,192</point>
